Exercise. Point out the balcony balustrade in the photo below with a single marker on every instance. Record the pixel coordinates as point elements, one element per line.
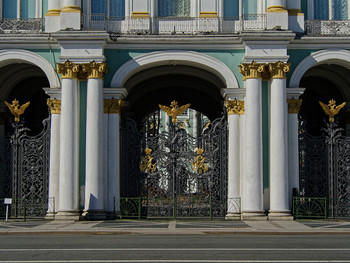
<point>22,25</point>
<point>327,27</point>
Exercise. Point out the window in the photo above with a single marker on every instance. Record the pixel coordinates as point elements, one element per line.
<point>179,8</point>
<point>28,8</point>
<point>339,9</point>
<point>9,9</point>
<point>249,9</point>
<point>113,8</point>
<point>231,9</point>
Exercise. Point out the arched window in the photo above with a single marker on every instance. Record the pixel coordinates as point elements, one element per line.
<point>110,8</point>
<point>179,8</point>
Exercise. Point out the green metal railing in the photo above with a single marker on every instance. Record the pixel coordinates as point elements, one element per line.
<point>309,207</point>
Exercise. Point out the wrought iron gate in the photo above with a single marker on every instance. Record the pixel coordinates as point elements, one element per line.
<point>325,169</point>
<point>25,162</point>
<point>173,174</point>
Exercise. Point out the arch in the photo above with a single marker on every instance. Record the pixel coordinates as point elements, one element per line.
<point>186,58</point>
<point>335,56</point>
<point>9,56</point>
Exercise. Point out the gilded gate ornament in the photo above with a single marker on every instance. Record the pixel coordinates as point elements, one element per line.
<point>174,110</point>
<point>148,164</point>
<point>198,164</point>
<point>16,109</point>
<point>332,109</point>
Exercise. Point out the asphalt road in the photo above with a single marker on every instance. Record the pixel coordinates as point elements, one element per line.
<point>175,248</point>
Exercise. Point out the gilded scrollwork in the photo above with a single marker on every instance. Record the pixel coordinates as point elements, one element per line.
<point>253,70</point>
<point>199,165</point>
<point>148,163</point>
<point>294,105</point>
<point>69,70</point>
<point>235,107</point>
<point>279,70</point>
<point>54,106</point>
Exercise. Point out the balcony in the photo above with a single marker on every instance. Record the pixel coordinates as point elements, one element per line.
<point>173,25</point>
<point>327,27</point>
<point>21,26</point>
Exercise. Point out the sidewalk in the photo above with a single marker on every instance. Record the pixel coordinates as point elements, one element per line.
<point>181,227</point>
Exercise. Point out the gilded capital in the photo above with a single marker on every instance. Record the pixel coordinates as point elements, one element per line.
<point>294,105</point>
<point>94,70</point>
<point>54,106</point>
<point>279,70</point>
<point>68,69</point>
<point>113,105</point>
<point>235,107</point>
<point>253,70</point>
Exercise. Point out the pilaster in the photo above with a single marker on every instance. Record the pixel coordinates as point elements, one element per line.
<point>113,109</point>
<point>235,108</point>
<point>54,172</point>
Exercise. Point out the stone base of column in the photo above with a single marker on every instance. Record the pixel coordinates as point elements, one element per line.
<point>233,216</point>
<point>94,215</point>
<point>280,216</point>
<point>68,215</point>
<point>50,216</point>
<point>254,216</point>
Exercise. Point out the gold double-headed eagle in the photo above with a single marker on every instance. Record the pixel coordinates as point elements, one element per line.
<point>173,111</point>
<point>16,109</point>
<point>332,109</point>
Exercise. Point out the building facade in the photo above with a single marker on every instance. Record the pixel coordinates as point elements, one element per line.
<point>100,62</point>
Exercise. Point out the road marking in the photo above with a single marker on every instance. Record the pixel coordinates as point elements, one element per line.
<point>170,249</point>
<point>179,261</point>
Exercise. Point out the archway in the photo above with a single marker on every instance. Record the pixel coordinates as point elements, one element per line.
<point>161,168</point>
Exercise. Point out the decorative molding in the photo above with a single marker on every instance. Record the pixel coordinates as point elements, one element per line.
<point>253,70</point>
<point>279,70</point>
<point>94,70</point>
<point>71,9</point>
<point>68,69</point>
<point>113,106</point>
<point>276,9</point>
<point>140,15</point>
<point>54,106</point>
<point>235,107</point>
<point>186,58</point>
<point>208,15</point>
<point>294,105</point>
<point>53,12</point>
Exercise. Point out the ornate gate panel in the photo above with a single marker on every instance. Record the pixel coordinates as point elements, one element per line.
<point>175,174</point>
<point>31,170</point>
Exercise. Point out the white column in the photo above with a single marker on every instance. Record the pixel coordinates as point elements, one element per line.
<point>94,184</point>
<point>52,17</point>
<point>277,14</point>
<point>279,195</point>
<point>253,184</point>
<point>293,145</point>
<point>330,9</point>
<point>54,173</point>
<point>296,16</point>
<point>235,108</point>
<point>106,105</point>
<point>68,182</point>
<point>71,14</point>
<point>114,156</point>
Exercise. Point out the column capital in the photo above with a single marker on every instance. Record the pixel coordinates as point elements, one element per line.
<point>235,107</point>
<point>252,70</point>
<point>113,105</point>
<point>294,105</point>
<point>95,70</point>
<point>277,9</point>
<point>54,106</point>
<point>278,70</point>
<point>68,69</point>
